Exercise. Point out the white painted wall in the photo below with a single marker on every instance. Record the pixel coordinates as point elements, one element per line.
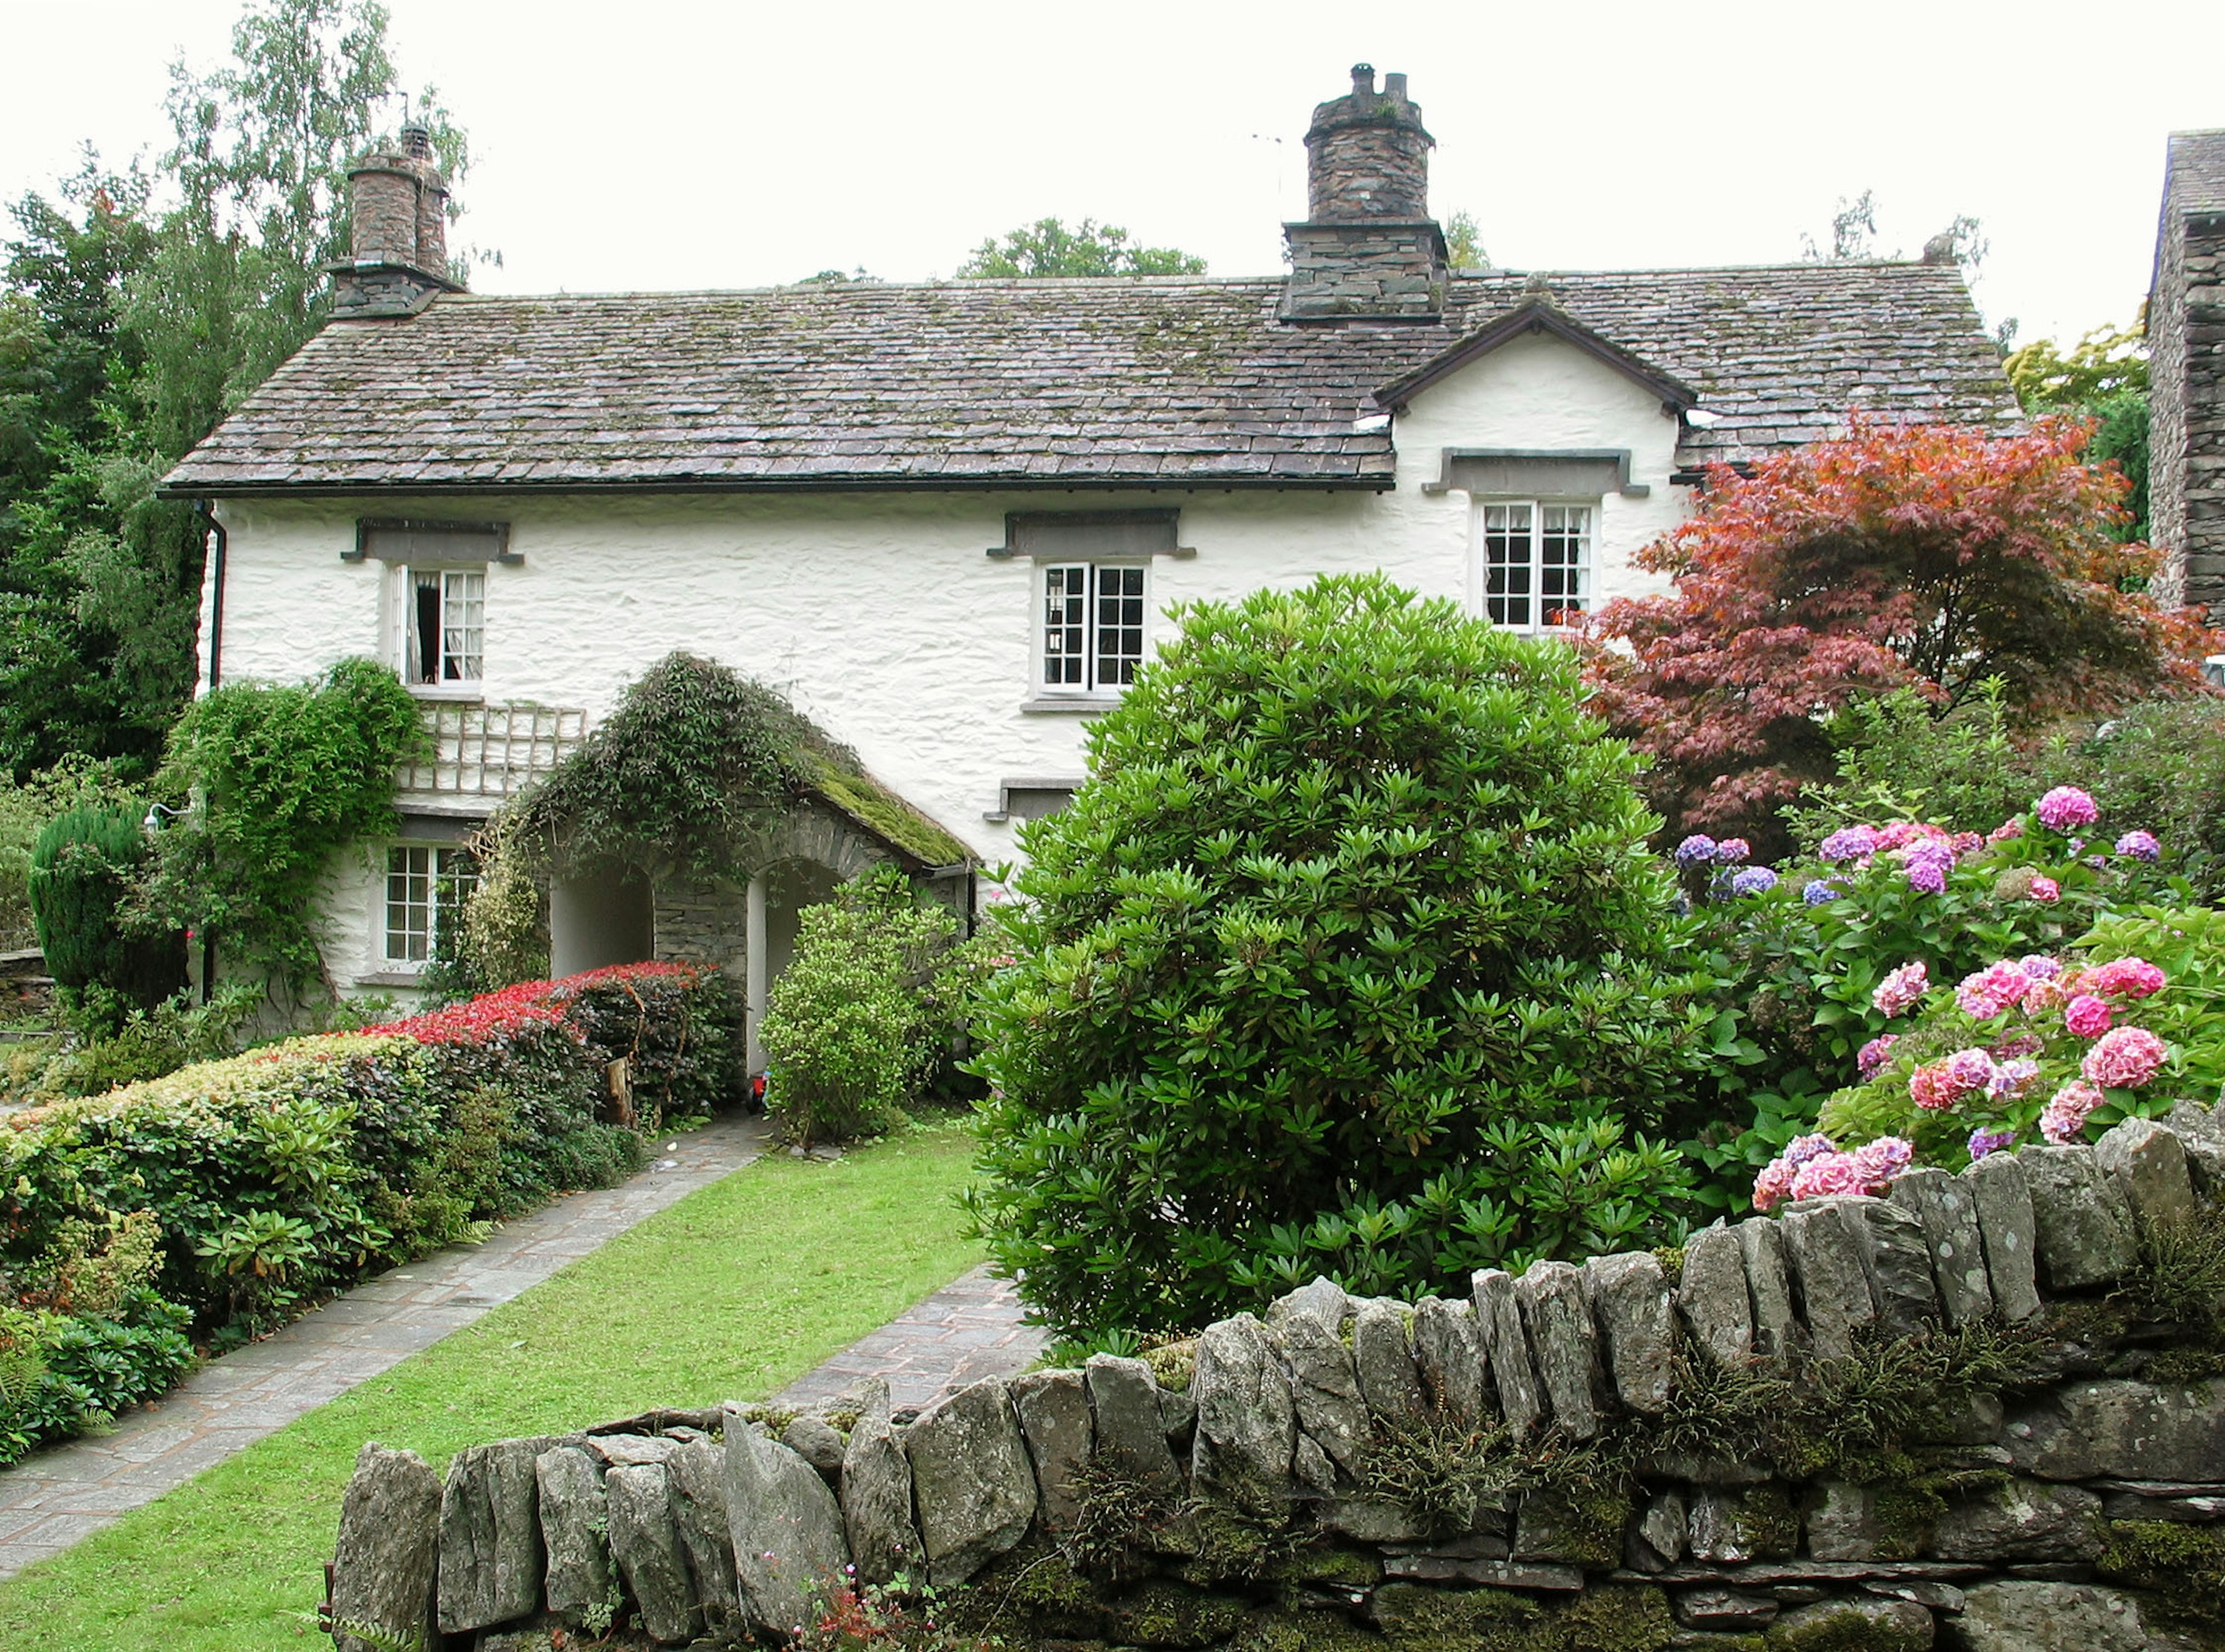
<point>880,616</point>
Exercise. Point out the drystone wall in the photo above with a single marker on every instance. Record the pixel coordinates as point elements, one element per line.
<point>1976,1413</point>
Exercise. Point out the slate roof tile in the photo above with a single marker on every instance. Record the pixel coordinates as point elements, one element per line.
<point>990,383</point>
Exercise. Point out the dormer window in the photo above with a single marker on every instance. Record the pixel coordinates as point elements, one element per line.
<point>1537,563</point>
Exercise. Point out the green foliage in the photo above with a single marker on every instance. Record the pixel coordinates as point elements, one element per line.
<point>1047,247</point>
<point>128,328</point>
<point>503,936</point>
<point>1464,243</point>
<point>694,767</point>
<point>25,811</point>
<point>148,1044</point>
<point>280,778</point>
<point>2104,378</point>
<point>1353,918</point>
<point>2160,766</point>
<point>1899,760</point>
<point>872,998</point>
<point>81,866</point>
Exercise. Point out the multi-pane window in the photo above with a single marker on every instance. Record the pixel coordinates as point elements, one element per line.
<point>1092,629</point>
<point>426,887</point>
<point>1536,564</point>
<point>444,625</point>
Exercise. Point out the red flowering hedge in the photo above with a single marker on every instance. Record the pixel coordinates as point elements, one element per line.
<point>281,1175</point>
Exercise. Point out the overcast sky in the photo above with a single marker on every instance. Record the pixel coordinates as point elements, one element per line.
<point>657,144</point>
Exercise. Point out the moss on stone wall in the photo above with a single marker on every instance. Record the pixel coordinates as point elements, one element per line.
<point>2182,1565</point>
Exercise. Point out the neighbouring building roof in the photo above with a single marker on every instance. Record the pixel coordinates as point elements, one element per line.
<point>1171,381</point>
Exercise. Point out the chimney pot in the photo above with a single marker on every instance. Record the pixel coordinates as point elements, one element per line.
<point>1394,87</point>
<point>1363,80</point>
<point>417,140</point>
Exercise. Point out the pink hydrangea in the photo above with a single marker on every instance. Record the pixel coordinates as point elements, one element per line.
<point>1731,851</point>
<point>1937,1085</point>
<point>2125,977</point>
<point>2012,1078</point>
<point>2046,890</point>
<point>2051,994</point>
<point>2007,831</point>
<point>2086,1015</point>
<point>1833,1173</point>
<point>1994,991</point>
<point>1899,991</point>
<point>1872,1057</point>
<point>1963,842</point>
<point>2067,807</point>
<point>2063,1119</point>
<point>1970,1069</point>
<point>1879,1161</point>
<point>1901,833</point>
<point>2125,1058</point>
<point>1775,1181</point>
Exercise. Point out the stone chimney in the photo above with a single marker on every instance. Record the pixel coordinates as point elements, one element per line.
<point>1370,247</point>
<point>399,246</point>
<point>2186,375</point>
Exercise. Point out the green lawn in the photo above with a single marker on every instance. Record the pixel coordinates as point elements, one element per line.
<point>731,1294</point>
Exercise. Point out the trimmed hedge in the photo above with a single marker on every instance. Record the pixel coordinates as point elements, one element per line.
<point>279,1176</point>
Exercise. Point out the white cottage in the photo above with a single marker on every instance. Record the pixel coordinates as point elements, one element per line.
<point>946,518</point>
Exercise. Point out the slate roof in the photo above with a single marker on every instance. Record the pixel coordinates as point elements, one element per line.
<point>1175,382</point>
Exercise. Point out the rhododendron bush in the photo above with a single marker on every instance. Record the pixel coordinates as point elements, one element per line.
<point>1823,965</point>
<point>2053,1046</point>
<point>1935,557</point>
<point>280,1175</point>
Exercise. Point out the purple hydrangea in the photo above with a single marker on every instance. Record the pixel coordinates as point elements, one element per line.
<point>1819,891</point>
<point>1698,849</point>
<point>1985,1142</point>
<point>1926,865</point>
<point>1754,880</point>
<point>1731,852</point>
<point>2141,846</point>
<point>1850,843</point>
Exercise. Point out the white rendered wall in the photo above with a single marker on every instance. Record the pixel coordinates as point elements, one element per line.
<point>880,616</point>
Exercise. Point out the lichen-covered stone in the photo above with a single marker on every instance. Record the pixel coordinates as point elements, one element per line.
<point>490,1555</point>
<point>2083,1225</point>
<point>2201,1134</point>
<point>385,1564</point>
<point>1556,1315</point>
<point>1946,1209</point>
<point>2115,1429</point>
<point>646,1547</point>
<point>1506,1349</point>
<point>2023,1521</point>
<point>1827,1244</point>
<point>972,1480</point>
<point>1326,1390</point>
<point>815,1441</point>
<point>787,1530</point>
<point>1769,1286</point>
<point>2008,1228</point>
<point>1128,1429</point>
<point>1656,1540</point>
<point>1712,1299</point>
<point>575,1528</point>
<point>1852,1626</point>
<point>1448,1354</point>
<point>615,1451</point>
<point>1383,1353</point>
<point>2013,1616</point>
<point>1247,1419</point>
<point>1754,1522</point>
<point>2148,1164</point>
<point>697,1476</point>
<point>1843,1524</point>
<point>1901,1268</point>
<point>1053,1411</point>
<point>1630,1307</point>
<point>1324,1302</point>
<point>876,1484</point>
<point>1723,1609</point>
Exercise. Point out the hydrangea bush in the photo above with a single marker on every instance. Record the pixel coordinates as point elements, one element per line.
<point>1821,964</point>
<point>2052,1047</point>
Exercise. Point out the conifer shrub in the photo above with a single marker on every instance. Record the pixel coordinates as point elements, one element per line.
<point>82,867</point>
<point>1348,959</point>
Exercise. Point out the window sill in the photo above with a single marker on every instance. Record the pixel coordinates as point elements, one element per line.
<point>469,694</point>
<point>392,977</point>
<point>1080,703</point>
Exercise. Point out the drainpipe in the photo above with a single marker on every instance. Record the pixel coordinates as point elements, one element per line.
<point>214,541</point>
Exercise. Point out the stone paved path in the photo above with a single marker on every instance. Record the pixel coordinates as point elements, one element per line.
<point>969,1329</point>
<point>55,1496</point>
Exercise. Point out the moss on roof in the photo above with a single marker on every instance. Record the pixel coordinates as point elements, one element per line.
<point>881,811</point>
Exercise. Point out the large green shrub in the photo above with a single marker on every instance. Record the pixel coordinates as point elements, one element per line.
<point>865,1009</point>
<point>81,866</point>
<point>1348,957</point>
<point>279,778</point>
<point>2160,766</point>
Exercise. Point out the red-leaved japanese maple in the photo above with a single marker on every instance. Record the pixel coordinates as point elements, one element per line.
<point>1933,555</point>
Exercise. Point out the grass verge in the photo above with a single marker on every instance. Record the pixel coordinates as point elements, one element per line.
<point>733,1292</point>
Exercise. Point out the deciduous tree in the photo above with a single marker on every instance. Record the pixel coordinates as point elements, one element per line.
<point>1047,247</point>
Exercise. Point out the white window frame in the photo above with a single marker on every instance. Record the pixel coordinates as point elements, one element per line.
<point>446,885</point>
<point>1536,570</point>
<point>403,624</point>
<point>1095,682</point>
